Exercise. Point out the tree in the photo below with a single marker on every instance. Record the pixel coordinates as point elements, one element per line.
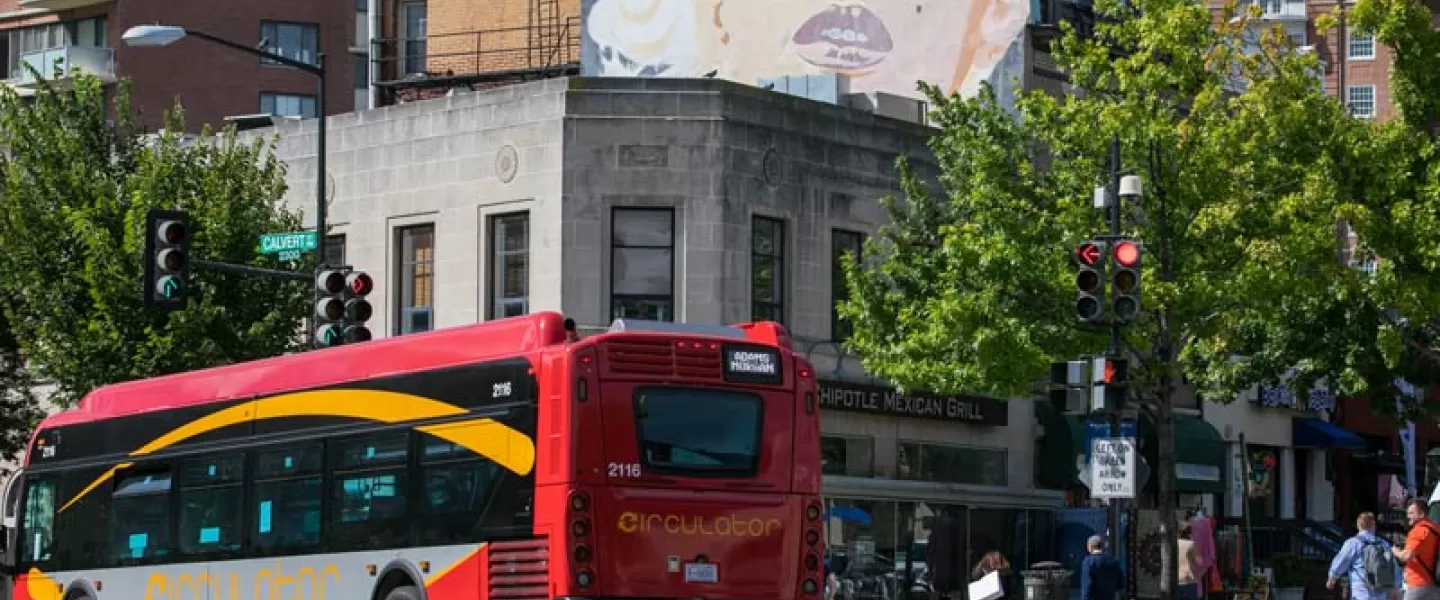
<point>78,179</point>
<point>1247,167</point>
<point>19,408</point>
<point>1395,217</point>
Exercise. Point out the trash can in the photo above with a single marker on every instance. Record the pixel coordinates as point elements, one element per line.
<point>1046,581</point>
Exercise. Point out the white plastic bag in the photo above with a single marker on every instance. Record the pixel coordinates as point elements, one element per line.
<point>987,587</point>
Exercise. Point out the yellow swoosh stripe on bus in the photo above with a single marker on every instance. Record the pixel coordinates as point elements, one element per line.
<point>506,446</point>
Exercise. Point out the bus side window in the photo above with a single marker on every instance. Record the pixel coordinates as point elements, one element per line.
<point>140,517</point>
<point>37,534</point>
<point>212,504</point>
<point>288,497</point>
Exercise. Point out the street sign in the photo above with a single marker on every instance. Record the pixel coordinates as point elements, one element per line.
<point>1112,468</point>
<point>288,246</point>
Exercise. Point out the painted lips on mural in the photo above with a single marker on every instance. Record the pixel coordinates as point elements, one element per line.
<point>843,38</point>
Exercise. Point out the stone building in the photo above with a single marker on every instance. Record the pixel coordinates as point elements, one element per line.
<point>694,200</point>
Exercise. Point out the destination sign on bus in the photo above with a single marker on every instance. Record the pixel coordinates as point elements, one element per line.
<point>752,364</point>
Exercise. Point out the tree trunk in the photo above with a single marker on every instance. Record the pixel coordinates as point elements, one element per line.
<point>1165,438</point>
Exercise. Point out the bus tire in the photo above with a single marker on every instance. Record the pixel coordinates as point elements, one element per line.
<point>404,592</point>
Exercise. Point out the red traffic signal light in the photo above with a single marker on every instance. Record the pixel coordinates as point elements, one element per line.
<point>1088,253</point>
<point>360,283</point>
<point>1127,253</point>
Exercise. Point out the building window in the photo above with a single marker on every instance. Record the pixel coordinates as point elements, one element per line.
<point>288,105</point>
<point>1361,100</point>
<point>842,244</point>
<point>853,456</point>
<point>334,250</point>
<point>509,265</point>
<point>362,72</point>
<point>413,47</point>
<point>415,305</point>
<point>1362,46</point>
<point>951,464</point>
<point>767,269</point>
<point>642,264</point>
<point>295,41</point>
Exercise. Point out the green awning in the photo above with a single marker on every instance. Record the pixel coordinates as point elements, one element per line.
<point>1063,442</point>
<point>1199,455</point>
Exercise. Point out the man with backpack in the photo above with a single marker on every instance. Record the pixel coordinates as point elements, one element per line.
<point>1421,553</point>
<point>1373,573</point>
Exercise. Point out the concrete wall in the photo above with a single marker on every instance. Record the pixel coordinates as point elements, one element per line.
<point>438,161</point>
<point>719,154</point>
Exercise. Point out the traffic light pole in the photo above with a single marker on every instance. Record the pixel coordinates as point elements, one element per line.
<point>1113,514</point>
<point>249,270</point>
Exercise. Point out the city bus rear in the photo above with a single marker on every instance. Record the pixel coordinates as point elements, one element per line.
<point>706,481</point>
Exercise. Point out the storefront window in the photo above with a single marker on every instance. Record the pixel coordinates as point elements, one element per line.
<point>939,533</point>
<point>951,464</point>
<point>853,456</point>
<point>862,542</point>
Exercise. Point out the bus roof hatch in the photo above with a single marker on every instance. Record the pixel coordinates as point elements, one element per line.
<point>639,325</point>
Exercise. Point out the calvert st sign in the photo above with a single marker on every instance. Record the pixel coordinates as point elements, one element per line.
<point>880,400</point>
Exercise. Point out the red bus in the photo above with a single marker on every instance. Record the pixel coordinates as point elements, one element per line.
<point>508,460</point>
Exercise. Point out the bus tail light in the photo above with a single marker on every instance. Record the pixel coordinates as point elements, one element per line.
<point>812,512</point>
<point>812,537</point>
<point>810,587</point>
<point>581,554</point>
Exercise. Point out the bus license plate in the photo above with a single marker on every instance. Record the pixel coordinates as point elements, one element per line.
<point>702,573</point>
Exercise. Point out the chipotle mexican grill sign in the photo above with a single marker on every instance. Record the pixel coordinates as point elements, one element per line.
<point>880,400</point>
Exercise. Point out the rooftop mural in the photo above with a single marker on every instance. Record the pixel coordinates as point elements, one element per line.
<point>881,45</point>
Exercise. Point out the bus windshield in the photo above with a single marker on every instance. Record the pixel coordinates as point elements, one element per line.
<point>685,430</point>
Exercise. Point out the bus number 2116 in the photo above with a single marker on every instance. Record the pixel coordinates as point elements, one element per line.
<point>627,470</point>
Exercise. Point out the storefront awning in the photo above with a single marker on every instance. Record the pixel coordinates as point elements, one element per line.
<point>1309,432</point>
<point>1200,455</point>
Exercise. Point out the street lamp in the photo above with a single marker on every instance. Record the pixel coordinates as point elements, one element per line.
<point>164,35</point>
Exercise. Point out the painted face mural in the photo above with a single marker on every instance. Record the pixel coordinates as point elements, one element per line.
<point>882,45</point>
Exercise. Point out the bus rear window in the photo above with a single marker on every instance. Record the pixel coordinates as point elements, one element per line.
<point>698,431</point>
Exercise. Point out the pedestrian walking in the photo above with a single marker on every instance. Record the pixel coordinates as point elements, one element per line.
<point>1367,562</point>
<point>1189,566</point>
<point>1420,554</point>
<point>1100,574</point>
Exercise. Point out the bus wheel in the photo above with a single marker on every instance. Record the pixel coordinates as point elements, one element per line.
<point>404,592</point>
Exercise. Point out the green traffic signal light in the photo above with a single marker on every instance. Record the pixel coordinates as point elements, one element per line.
<point>170,287</point>
<point>329,335</point>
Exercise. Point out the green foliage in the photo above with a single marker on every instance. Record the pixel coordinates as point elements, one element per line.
<point>78,181</point>
<point>19,408</point>
<point>972,290</point>
<point>1394,209</point>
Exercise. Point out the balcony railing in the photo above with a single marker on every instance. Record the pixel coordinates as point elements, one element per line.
<point>1283,9</point>
<point>99,62</point>
<point>454,58</point>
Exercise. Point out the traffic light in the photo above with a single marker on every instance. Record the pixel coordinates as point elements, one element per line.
<point>357,309</point>
<point>167,259</point>
<point>1089,282</point>
<point>1111,380</point>
<point>330,294</point>
<point>1125,280</point>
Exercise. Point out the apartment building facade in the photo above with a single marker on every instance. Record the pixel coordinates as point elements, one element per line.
<point>211,82</point>
<point>1356,68</point>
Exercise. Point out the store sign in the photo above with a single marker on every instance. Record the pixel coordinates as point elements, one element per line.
<point>752,364</point>
<point>880,400</point>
